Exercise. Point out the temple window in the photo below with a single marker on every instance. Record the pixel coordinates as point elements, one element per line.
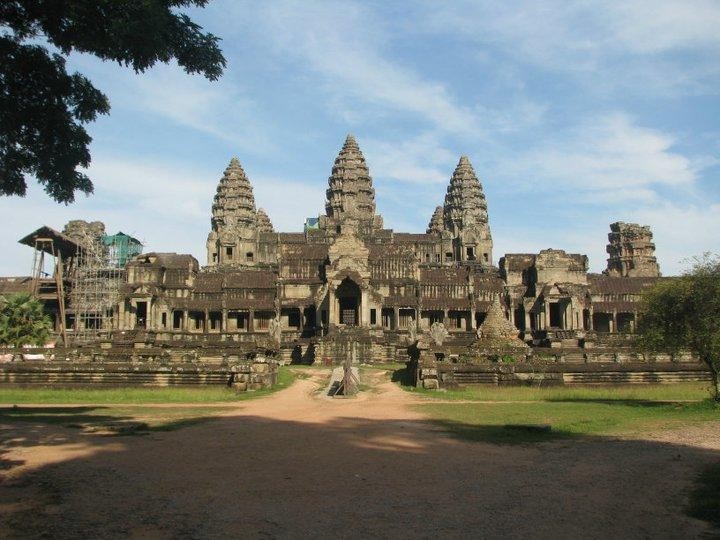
<point>407,318</point>
<point>249,256</point>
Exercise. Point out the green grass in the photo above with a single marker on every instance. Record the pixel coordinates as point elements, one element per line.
<point>669,392</point>
<point>503,422</point>
<point>705,498</point>
<point>514,414</point>
<point>137,395</point>
<point>124,405</point>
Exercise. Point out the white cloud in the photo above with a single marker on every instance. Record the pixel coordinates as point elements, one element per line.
<point>421,159</point>
<point>609,155</point>
<point>343,44</point>
<point>165,205</point>
<point>635,45</point>
<point>681,232</point>
<point>221,108</point>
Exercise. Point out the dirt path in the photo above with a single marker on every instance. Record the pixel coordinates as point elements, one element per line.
<point>297,464</point>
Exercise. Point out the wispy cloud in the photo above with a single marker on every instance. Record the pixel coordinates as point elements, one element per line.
<point>609,155</point>
<point>221,109</point>
<point>342,44</point>
<point>636,41</point>
<point>421,159</point>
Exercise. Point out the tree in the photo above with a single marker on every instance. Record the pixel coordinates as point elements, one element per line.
<point>684,314</point>
<point>22,321</point>
<point>43,108</point>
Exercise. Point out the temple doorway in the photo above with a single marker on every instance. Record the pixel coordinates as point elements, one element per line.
<point>348,296</point>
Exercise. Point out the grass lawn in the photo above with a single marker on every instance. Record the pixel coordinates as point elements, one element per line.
<point>651,393</point>
<point>137,395</point>
<point>520,414</point>
<point>90,408</point>
<point>512,422</point>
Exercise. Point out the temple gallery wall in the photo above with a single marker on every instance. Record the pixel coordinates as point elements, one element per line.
<point>344,284</point>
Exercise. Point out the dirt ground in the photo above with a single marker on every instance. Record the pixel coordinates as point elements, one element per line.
<point>297,464</point>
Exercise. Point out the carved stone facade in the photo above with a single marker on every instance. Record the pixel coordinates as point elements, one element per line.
<point>349,271</point>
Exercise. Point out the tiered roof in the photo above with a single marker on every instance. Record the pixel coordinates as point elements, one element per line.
<point>436,224</point>
<point>465,203</point>
<point>350,191</point>
<point>234,204</point>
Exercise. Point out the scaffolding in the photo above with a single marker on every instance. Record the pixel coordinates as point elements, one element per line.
<point>96,281</point>
<point>45,287</point>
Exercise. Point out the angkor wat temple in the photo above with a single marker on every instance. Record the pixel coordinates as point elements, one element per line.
<point>346,272</point>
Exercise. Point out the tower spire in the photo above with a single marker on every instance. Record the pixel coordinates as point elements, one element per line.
<point>235,219</point>
<point>465,213</point>
<point>436,224</point>
<point>350,191</point>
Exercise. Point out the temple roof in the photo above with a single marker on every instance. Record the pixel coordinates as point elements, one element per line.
<point>350,191</point>
<point>465,203</point>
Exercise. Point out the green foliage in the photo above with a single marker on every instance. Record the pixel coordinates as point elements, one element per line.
<point>43,107</point>
<point>22,321</point>
<point>684,313</point>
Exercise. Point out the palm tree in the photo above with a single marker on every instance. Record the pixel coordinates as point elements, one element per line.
<point>22,321</point>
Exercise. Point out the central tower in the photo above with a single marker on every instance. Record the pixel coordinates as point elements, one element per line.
<point>350,196</point>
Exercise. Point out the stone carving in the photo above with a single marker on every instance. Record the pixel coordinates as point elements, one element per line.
<point>465,203</point>
<point>412,334</point>
<point>349,252</point>
<point>275,329</point>
<point>436,225</point>
<point>496,330</point>
<point>350,191</point>
<point>263,221</point>
<point>235,219</point>
<point>438,333</point>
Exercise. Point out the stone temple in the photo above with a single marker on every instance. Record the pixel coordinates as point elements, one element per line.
<point>347,279</point>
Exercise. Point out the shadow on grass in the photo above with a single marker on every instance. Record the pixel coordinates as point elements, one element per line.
<point>503,434</point>
<point>83,417</point>
<point>55,415</point>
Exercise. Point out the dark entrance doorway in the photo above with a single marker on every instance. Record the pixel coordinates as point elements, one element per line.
<point>556,315</point>
<point>348,295</point>
<point>141,315</point>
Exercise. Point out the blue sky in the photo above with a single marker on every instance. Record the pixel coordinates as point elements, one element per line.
<point>574,115</point>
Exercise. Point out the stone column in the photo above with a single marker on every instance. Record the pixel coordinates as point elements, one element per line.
<point>224,324</point>
<point>334,307</point>
<point>364,311</point>
<point>396,317</point>
<point>185,325</point>
<point>528,326</point>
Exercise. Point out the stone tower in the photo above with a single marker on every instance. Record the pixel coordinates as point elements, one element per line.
<point>631,251</point>
<point>350,193</point>
<point>436,225</point>
<point>465,215</point>
<point>235,221</point>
